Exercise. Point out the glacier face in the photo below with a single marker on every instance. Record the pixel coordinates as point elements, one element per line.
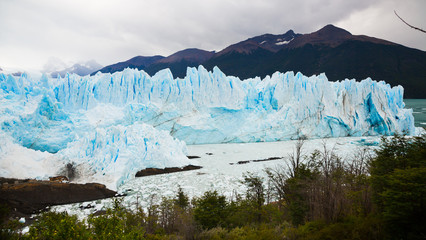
<point>116,124</point>
<point>209,107</point>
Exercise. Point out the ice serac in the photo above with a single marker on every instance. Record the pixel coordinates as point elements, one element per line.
<point>112,125</point>
<point>113,155</point>
<point>48,128</point>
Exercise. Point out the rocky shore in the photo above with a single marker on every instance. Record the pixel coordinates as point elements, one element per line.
<point>25,197</point>
<point>156,171</point>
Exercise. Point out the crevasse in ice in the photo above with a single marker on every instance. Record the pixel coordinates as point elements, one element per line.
<point>86,119</point>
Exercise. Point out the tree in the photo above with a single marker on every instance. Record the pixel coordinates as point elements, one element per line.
<point>277,177</point>
<point>181,200</point>
<point>210,210</point>
<point>255,194</point>
<point>297,157</point>
<point>398,177</point>
<point>321,187</point>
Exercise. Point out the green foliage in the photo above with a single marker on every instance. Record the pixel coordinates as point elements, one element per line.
<point>52,225</point>
<point>359,228</point>
<point>7,229</point>
<point>181,200</point>
<point>241,213</point>
<point>118,223</point>
<point>210,210</point>
<point>168,212</point>
<point>260,232</point>
<point>398,176</point>
<point>4,212</point>
<point>297,189</point>
<point>404,201</point>
<point>398,152</point>
<point>255,197</point>
<point>11,229</point>
<point>255,190</point>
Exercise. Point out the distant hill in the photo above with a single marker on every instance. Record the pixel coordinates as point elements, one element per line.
<point>179,61</point>
<point>139,62</point>
<point>81,69</point>
<point>332,50</point>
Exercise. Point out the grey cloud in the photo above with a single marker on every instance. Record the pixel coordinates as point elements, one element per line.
<point>111,31</point>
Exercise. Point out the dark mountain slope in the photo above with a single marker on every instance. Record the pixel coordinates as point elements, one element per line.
<point>274,43</point>
<point>190,55</point>
<point>179,61</point>
<point>244,59</point>
<point>242,65</point>
<point>332,36</point>
<point>339,54</point>
<point>139,62</point>
<point>396,64</point>
<point>268,42</point>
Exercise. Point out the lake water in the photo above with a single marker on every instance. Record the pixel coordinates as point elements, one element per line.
<point>419,110</point>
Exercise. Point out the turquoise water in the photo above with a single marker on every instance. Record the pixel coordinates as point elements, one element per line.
<point>419,110</point>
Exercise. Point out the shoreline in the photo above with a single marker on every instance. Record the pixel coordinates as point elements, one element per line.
<point>24,197</point>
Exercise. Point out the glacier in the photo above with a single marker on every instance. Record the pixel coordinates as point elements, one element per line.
<point>112,125</point>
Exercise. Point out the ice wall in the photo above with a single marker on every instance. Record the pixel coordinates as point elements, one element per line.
<point>116,124</point>
<point>209,107</point>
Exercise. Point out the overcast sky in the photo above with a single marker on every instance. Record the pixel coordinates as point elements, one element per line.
<point>110,31</point>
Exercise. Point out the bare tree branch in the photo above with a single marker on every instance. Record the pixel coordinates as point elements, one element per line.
<point>419,29</point>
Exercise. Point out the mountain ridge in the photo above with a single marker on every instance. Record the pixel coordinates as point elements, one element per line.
<point>331,49</point>
<point>81,69</point>
<point>135,62</point>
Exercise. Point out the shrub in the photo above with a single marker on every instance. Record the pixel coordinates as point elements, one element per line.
<point>118,223</point>
<point>52,225</point>
<point>211,210</point>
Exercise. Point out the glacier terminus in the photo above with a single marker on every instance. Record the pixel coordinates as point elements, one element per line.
<point>109,126</point>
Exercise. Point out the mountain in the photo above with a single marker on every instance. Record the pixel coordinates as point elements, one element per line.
<point>337,53</point>
<point>331,50</point>
<point>396,64</point>
<point>54,64</point>
<point>332,36</point>
<point>139,62</point>
<point>189,55</point>
<point>179,61</point>
<point>268,42</point>
<point>81,69</point>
